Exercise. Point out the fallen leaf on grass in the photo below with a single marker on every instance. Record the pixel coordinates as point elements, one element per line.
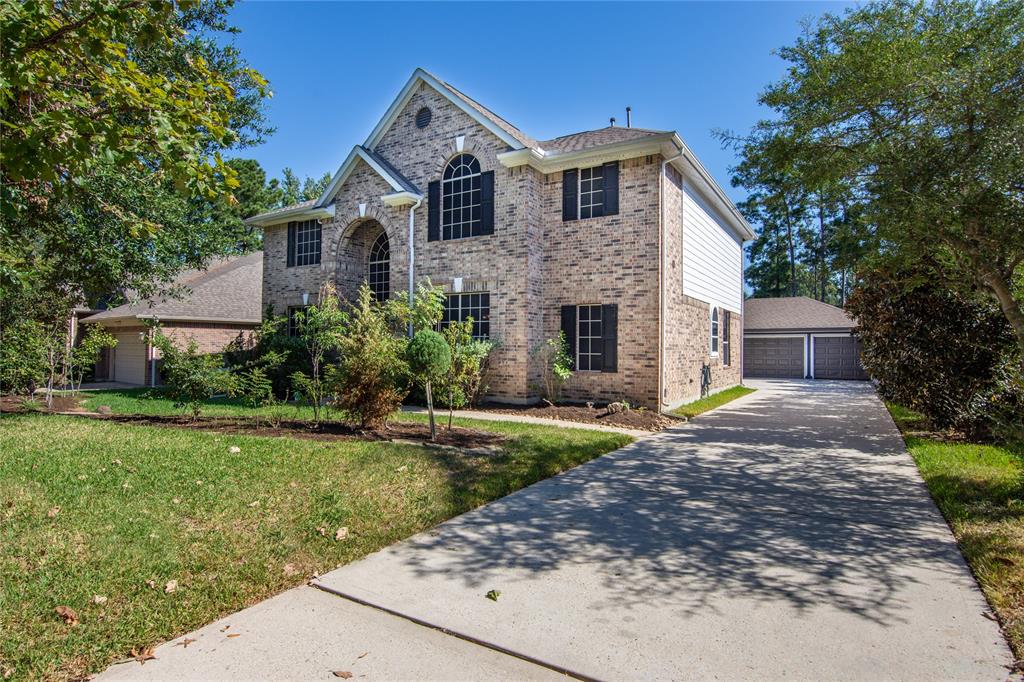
<point>68,614</point>
<point>255,503</point>
<point>343,674</point>
<point>493,595</point>
<point>176,500</point>
<point>99,599</point>
<point>185,642</point>
<point>151,584</point>
<point>171,586</point>
<point>290,570</point>
<point>144,654</point>
<point>53,512</point>
<point>234,449</point>
<point>404,467</point>
<point>341,533</point>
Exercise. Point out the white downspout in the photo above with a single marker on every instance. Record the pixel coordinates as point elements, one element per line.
<point>412,255</point>
<point>661,281</point>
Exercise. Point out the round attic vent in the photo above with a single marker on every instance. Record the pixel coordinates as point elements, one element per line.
<point>423,117</point>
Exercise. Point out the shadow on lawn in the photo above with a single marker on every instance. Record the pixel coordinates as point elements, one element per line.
<point>826,509</point>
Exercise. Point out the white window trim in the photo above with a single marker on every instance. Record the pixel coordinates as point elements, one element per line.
<point>579,193</point>
<point>714,332</point>
<point>587,305</point>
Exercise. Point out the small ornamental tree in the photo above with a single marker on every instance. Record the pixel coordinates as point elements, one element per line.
<point>429,358</point>
<point>556,367</point>
<point>459,386</point>
<point>87,353</point>
<point>370,379</point>
<point>320,327</point>
<point>191,377</point>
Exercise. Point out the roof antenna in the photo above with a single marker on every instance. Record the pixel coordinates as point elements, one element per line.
<point>629,117</point>
<point>612,121</point>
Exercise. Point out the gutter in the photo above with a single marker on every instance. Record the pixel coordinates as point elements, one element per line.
<point>662,303</point>
<point>412,254</point>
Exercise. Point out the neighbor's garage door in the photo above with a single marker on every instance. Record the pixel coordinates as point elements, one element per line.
<point>767,357</point>
<point>837,357</point>
<point>129,359</point>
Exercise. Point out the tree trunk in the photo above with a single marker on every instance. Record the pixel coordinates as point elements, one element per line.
<point>792,253</point>
<point>823,271</point>
<point>1010,307</point>
<point>430,411</point>
<point>451,406</point>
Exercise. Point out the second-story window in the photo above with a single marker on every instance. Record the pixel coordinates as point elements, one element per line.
<point>460,198</point>
<point>304,237</point>
<point>592,192</point>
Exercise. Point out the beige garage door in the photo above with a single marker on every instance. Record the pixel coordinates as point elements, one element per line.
<point>130,359</point>
<point>773,358</point>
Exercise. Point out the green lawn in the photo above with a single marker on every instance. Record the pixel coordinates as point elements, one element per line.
<point>97,509</point>
<point>980,490</point>
<point>690,410</point>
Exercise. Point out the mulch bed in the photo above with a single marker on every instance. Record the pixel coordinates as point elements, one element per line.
<point>641,420</point>
<point>17,403</point>
<point>467,439</point>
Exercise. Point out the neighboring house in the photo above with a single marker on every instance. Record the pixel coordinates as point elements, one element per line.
<point>216,305</point>
<point>799,338</point>
<point>619,237</point>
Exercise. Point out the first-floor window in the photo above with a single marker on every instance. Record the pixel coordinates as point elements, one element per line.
<point>714,331</point>
<point>589,338</point>
<point>293,322</point>
<point>379,269</point>
<point>461,307</point>
<point>726,346</point>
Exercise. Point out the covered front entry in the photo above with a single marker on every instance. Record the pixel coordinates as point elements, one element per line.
<point>364,256</point>
<point>773,357</point>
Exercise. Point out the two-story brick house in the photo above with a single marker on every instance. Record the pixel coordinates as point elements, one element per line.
<point>619,237</point>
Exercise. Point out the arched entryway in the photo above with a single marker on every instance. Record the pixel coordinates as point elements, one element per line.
<point>364,256</point>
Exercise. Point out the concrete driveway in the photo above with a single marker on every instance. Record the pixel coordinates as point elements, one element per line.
<point>786,535</point>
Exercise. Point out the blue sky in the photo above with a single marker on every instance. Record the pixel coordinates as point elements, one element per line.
<point>550,69</point>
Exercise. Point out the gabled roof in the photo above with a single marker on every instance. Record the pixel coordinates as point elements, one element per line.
<point>399,184</point>
<point>228,291</point>
<point>798,313</point>
<point>512,136</point>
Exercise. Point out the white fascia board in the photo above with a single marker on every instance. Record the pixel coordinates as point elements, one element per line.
<point>299,213</point>
<point>346,169</point>
<point>552,162</point>
<point>421,76</point>
<point>401,198</point>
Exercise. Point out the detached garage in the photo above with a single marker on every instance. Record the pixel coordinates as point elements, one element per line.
<point>799,338</point>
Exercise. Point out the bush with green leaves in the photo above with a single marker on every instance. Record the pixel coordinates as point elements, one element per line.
<point>86,353</point>
<point>23,358</point>
<point>370,378</point>
<point>191,377</point>
<point>321,328</point>
<point>429,359</point>
<point>461,385</point>
<point>932,349</point>
<point>271,340</point>
<point>555,362</point>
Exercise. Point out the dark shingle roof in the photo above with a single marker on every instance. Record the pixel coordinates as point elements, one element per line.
<point>229,290</point>
<point>596,138</point>
<point>797,314</point>
<point>392,171</point>
<point>516,133</point>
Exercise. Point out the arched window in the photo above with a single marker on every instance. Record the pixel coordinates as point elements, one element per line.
<point>379,275</point>
<point>460,198</point>
<point>714,331</point>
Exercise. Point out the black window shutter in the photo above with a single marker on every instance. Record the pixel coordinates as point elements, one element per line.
<point>610,337</point>
<point>611,188</point>
<point>569,329</point>
<point>726,333</point>
<point>291,243</point>
<point>487,202</point>
<point>570,190</point>
<point>434,211</point>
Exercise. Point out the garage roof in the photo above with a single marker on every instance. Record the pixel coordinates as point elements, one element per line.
<point>228,291</point>
<point>798,313</point>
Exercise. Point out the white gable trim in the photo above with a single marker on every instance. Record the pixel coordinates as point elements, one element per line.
<point>346,170</point>
<point>301,212</point>
<point>421,76</point>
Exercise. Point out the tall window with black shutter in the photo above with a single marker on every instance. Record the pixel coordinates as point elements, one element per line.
<point>304,239</point>
<point>461,203</point>
<point>591,331</point>
<point>590,192</point>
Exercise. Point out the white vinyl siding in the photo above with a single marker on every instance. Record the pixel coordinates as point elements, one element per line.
<point>130,359</point>
<point>712,256</point>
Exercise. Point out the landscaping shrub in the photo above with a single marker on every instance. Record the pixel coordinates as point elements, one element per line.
<point>370,378</point>
<point>429,358</point>
<point>555,365</point>
<point>320,327</point>
<point>271,339</point>
<point>23,358</point>
<point>932,349</point>
<point>461,385</point>
<point>86,353</point>
<point>191,377</point>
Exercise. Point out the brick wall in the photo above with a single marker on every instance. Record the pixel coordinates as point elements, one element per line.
<point>210,337</point>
